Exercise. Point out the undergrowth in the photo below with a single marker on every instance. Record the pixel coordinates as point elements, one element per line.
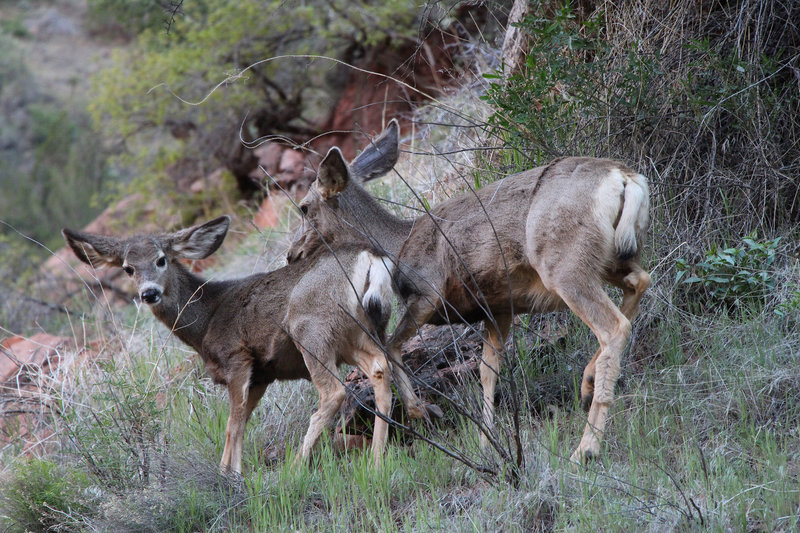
<point>703,434</point>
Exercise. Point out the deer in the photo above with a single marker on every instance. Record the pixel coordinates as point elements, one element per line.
<point>301,321</point>
<point>545,239</point>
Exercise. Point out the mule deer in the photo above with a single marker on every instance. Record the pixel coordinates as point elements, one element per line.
<point>537,241</point>
<point>298,322</point>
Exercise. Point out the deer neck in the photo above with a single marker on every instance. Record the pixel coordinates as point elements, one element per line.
<point>188,306</point>
<point>385,231</point>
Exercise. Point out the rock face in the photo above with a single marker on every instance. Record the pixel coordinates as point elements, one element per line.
<point>26,373</point>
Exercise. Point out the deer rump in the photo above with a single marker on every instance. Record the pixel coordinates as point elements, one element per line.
<point>499,249</point>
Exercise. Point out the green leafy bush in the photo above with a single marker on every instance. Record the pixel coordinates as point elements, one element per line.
<point>52,166</point>
<point>738,278</point>
<point>708,112</point>
<point>560,101</point>
<point>40,494</point>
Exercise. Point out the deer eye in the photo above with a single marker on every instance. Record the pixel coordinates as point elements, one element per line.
<point>161,262</point>
<point>304,209</point>
<point>128,270</point>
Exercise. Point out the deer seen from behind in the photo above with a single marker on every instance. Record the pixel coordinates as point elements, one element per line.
<point>298,322</point>
<point>538,241</point>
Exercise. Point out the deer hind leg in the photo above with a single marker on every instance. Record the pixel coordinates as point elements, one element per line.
<point>374,365</point>
<point>633,282</point>
<point>406,328</point>
<point>495,333</point>
<point>612,329</point>
<point>238,395</point>
<point>633,286</point>
<point>331,395</point>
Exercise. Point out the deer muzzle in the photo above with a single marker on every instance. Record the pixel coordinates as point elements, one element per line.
<point>151,295</point>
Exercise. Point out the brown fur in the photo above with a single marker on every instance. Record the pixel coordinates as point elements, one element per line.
<point>298,322</point>
<point>538,241</point>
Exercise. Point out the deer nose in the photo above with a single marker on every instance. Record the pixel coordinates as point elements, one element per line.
<point>151,296</point>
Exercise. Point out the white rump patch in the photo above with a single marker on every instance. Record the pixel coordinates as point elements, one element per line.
<point>377,271</point>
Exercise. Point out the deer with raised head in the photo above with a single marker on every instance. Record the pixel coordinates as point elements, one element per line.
<point>537,241</point>
<point>298,322</point>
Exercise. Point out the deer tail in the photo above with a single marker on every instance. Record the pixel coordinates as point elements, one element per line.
<point>634,217</point>
<point>377,299</point>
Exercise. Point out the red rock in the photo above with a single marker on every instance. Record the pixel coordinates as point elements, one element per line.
<point>267,215</point>
<point>42,351</point>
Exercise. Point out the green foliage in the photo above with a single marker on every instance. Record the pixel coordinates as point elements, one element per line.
<point>129,16</point>
<point>15,28</point>
<point>51,166</point>
<point>119,436</point>
<point>737,278</point>
<point>40,494</point>
<point>191,83</point>
<point>711,112</point>
<point>558,103</point>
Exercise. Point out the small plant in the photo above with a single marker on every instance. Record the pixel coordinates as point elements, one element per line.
<point>38,495</point>
<point>15,28</point>
<point>734,277</point>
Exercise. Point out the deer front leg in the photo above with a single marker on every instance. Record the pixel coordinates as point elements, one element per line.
<point>238,389</point>
<point>495,333</point>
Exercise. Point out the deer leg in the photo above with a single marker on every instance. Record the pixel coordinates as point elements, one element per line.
<point>612,329</point>
<point>253,397</point>
<point>374,365</point>
<point>238,390</point>
<point>495,333</point>
<point>633,286</point>
<point>406,328</point>
<point>331,395</point>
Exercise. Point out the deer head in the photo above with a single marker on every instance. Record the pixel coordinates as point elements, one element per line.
<point>337,207</point>
<point>151,260</point>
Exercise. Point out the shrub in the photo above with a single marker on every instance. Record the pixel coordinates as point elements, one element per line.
<point>704,105</point>
<point>40,494</point>
<point>737,278</point>
<point>145,95</point>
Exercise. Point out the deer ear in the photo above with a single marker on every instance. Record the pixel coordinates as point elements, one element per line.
<point>96,250</point>
<point>333,174</point>
<point>379,157</point>
<point>198,242</point>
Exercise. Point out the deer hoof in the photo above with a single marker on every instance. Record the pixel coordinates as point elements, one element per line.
<point>433,410</point>
<point>583,457</point>
<point>586,401</point>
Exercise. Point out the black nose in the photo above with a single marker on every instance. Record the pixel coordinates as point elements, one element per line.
<point>151,296</point>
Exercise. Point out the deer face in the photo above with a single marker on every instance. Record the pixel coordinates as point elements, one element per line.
<point>146,261</point>
<point>322,219</point>
<point>336,199</point>
<point>151,260</point>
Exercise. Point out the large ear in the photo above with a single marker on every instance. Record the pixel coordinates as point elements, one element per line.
<point>198,242</point>
<point>333,174</point>
<point>380,156</point>
<point>96,250</point>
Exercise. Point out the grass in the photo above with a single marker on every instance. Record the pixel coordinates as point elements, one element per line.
<point>703,436</point>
